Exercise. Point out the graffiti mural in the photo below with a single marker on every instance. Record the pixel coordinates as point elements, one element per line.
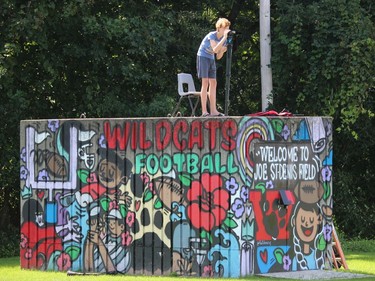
<point>219,197</point>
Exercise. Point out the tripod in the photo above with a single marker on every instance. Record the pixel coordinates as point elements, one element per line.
<point>228,72</point>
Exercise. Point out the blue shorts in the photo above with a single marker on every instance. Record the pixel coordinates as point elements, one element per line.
<point>206,68</point>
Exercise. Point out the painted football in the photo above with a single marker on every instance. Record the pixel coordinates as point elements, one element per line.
<point>168,190</point>
<point>309,191</point>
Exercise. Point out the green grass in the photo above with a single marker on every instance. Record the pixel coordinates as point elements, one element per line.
<point>358,262</point>
<point>360,257</point>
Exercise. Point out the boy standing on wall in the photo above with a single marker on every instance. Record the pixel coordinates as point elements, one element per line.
<point>213,44</point>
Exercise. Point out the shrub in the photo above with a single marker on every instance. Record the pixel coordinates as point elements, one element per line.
<point>358,245</point>
<point>9,246</point>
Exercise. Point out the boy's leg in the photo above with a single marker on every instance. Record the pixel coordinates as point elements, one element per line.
<point>203,67</point>
<point>212,95</point>
<point>204,95</point>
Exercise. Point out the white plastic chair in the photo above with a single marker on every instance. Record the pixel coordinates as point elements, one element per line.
<point>186,89</point>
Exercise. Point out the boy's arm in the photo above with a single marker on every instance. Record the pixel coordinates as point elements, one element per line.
<point>221,53</point>
<point>216,47</point>
<point>219,48</point>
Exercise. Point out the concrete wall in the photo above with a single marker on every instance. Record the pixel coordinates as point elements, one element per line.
<point>223,197</point>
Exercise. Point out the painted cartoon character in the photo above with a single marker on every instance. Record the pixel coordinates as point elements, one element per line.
<point>95,225</point>
<point>307,224</point>
<point>106,249</point>
<point>113,172</point>
<point>37,246</point>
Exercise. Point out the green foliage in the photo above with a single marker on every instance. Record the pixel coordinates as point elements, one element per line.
<point>323,53</point>
<point>323,65</point>
<point>10,241</point>
<point>96,53</point>
<point>358,245</point>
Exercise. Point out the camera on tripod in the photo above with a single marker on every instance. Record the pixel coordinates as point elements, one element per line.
<point>230,37</point>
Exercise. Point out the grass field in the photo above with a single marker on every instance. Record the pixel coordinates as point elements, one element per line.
<point>358,262</point>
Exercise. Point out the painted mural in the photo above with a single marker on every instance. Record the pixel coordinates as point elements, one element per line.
<point>219,197</point>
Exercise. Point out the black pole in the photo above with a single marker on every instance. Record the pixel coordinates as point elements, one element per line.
<point>228,73</point>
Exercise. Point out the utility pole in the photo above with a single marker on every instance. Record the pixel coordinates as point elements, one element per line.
<point>265,52</point>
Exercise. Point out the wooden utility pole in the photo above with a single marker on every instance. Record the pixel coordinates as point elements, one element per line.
<point>265,52</point>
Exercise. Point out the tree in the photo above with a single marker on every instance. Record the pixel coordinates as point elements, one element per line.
<point>323,63</point>
<point>60,59</point>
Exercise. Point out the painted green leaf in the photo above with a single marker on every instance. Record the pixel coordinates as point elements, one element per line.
<point>327,190</point>
<point>230,215</point>
<point>279,253</point>
<point>158,204</point>
<point>104,202</point>
<point>278,125</point>
<point>186,179</point>
<point>123,210</point>
<point>261,186</point>
<point>322,244</point>
<point>147,196</point>
<point>74,252</point>
<point>230,223</point>
<point>224,227</point>
<point>83,175</point>
<point>207,236</point>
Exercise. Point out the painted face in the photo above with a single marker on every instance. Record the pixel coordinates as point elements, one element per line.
<point>307,223</point>
<point>115,227</point>
<point>109,174</point>
<point>39,218</point>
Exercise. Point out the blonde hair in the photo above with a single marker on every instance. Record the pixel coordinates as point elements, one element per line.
<point>222,22</point>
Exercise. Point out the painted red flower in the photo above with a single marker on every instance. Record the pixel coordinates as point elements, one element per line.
<point>92,178</point>
<point>63,262</point>
<point>207,271</point>
<point>130,218</point>
<point>24,241</point>
<point>113,205</point>
<point>28,253</point>
<point>208,202</point>
<point>126,238</point>
<point>146,181</point>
